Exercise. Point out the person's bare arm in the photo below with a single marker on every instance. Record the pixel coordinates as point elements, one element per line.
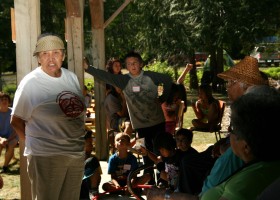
<point>181,78</point>
<point>12,136</point>
<point>114,180</point>
<point>213,115</point>
<point>198,113</point>
<point>156,159</point>
<point>18,125</point>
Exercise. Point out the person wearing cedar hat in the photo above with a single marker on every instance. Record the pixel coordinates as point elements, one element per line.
<point>240,77</point>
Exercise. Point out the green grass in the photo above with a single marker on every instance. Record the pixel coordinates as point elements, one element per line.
<point>11,189</point>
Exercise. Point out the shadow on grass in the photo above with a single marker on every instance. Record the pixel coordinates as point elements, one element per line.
<point>13,167</point>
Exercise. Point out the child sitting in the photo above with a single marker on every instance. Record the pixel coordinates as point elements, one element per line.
<point>206,109</point>
<point>92,174</point>
<point>169,161</point>
<point>121,164</point>
<point>184,139</point>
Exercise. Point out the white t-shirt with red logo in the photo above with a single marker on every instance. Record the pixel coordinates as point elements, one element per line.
<point>53,108</point>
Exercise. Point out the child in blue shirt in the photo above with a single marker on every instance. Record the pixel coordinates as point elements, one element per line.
<point>121,164</point>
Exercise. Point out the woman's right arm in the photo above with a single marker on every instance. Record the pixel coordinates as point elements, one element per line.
<point>181,79</point>
<point>196,109</point>
<point>213,115</point>
<point>18,125</point>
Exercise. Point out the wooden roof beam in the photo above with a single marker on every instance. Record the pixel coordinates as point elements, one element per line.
<point>116,13</point>
<point>97,10</point>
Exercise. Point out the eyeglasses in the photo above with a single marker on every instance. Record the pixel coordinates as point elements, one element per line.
<point>181,140</point>
<point>132,64</point>
<point>230,83</point>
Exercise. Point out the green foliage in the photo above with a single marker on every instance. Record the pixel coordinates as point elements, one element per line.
<point>7,47</point>
<point>161,67</point>
<point>89,83</point>
<point>273,72</point>
<point>161,29</point>
<point>187,80</point>
<point>10,89</point>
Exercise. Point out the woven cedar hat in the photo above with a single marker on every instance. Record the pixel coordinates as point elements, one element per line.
<point>246,71</point>
<point>48,43</point>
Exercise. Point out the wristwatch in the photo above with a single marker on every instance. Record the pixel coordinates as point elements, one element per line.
<point>167,195</point>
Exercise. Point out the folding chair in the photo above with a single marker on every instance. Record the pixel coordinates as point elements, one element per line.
<point>217,129</point>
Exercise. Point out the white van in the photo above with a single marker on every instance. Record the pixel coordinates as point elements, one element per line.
<point>267,54</point>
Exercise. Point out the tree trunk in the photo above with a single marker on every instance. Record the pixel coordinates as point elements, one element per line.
<point>217,69</point>
<point>193,75</point>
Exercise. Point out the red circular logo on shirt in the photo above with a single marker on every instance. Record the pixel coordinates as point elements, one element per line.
<point>70,103</point>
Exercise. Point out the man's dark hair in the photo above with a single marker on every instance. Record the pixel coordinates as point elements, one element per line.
<point>5,95</point>
<point>134,55</point>
<point>165,140</point>
<point>253,120</point>
<point>185,132</point>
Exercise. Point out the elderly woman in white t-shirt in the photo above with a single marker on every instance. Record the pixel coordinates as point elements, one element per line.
<point>48,114</point>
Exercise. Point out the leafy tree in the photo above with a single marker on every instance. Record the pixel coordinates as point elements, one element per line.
<point>224,24</point>
<point>164,30</point>
<point>7,48</point>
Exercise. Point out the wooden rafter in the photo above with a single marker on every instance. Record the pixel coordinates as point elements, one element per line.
<point>115,14</point>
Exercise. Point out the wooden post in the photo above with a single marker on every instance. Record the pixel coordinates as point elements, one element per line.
<point>98,54</point>
<point>27,22</point>
<point>116,13</point>
<point>13,26</point>
<point>75,37</point>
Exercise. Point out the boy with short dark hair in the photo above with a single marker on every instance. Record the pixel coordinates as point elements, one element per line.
<point>184,139</point>
<point>168,162</point>
<point>121,164</point>
<point>140,89</point>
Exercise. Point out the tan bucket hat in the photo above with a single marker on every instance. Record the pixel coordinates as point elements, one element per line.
<point>246,71</point>
<point>48,43</point>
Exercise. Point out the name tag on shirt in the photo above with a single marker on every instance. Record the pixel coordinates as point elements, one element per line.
<point>126,167</point>
<point>136,88</point>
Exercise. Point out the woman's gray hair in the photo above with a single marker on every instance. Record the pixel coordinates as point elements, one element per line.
<point>253,120</point>
<point>244,86</point>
